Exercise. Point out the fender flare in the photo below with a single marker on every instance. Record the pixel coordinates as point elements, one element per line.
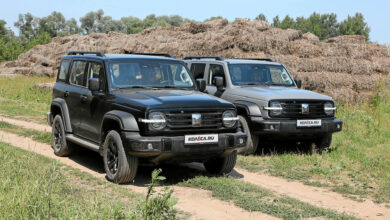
<point>60,103</point>
<point>251,109</point>
<point>126,121</point>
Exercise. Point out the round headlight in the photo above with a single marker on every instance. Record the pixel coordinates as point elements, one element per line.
<point>329,108</point>
<point>275,108</point>
<point>159,119</point>
<point>229,118</point>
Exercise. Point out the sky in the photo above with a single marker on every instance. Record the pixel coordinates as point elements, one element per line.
<point>376,12</point>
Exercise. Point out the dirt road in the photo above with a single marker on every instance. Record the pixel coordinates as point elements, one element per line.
<point>201,204</point>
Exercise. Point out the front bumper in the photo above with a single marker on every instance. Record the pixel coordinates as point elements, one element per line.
<point>287,127</point>
<point>163,147</point>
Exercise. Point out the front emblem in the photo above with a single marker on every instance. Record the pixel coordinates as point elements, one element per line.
<point>196,120</point>
<point>305,109</point>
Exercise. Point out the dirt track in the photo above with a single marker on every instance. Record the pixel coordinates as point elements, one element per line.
<point>199,202</point>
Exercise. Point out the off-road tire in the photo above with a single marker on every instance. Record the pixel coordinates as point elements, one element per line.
<point>323,143</point>
<point>221,165</point>
<point>59,143</point>
<point>125,166</point>
<point>253,140</point>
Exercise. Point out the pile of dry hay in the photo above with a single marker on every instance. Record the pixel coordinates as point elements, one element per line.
<point>345,67</point>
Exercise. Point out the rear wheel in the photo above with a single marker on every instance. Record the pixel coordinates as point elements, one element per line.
<point>119,167</point>
<point>59,144</point>
<point>221,165</point>
<point>253,140</point>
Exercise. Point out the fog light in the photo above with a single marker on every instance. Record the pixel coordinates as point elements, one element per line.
<point>271,127</point>
<point>150,146</point>
<point>338,126</point>
<point>241,140</point>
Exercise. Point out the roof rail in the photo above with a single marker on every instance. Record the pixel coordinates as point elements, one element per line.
<point>261,59</point>
<point>149,54</point>
<point>203,57</point>
<point>97,53</point>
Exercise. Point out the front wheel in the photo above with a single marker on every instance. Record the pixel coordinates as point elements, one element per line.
<point>253,140</point>
<point>119,167</point>
<point>221,165</point>
<point>322,144</point>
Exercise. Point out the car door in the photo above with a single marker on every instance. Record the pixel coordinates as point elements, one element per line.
<point>92,105</point>
<point>213,71</point>
<point>73,94</point>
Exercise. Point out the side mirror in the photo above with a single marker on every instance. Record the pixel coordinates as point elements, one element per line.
<point>93,84</point>
<point>298,81</point>
<point>201,84</point>
<point>219,83</point>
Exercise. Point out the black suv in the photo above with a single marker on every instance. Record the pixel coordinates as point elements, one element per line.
<point>140,109</point>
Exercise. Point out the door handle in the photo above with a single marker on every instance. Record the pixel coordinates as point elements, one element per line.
<point>66,94</point>
<point>83,98</point>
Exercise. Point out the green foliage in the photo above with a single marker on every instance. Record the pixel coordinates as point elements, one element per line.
<point>261,17</point>
<point>355,26</point>
<point>160,206</point>
<point>41,38</point>
<point>213,18</point>
<point>325,25</point>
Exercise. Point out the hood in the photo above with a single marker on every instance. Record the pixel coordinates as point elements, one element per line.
<point>267,93</point>
<point>168,99</point>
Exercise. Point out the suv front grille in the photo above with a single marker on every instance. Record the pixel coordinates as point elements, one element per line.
<point>293,109</point>
<point>177,120</point>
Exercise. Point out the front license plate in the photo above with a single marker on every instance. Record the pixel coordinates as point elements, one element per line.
<point>309,123</point>
<point>201,139</point>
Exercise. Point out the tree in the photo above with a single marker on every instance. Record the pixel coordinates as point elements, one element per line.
<point>287,22</point>
<point>3,29</point>
<point>41,38</point>
<point>52,24</point>
<point>90,21</point>
<point>276,21</point>
<point>355,26</point>
<point>28,25</point>
<point>70,28</point>
<point>261,17</point>
<point>132,25</point>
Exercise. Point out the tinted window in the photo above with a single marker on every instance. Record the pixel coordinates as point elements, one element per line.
<point>216,70</point>
<point>77,74</point>
<point>96,70</point>
<point>149,74</point>
<point>197,69</point>
<point>63,70</point>
<point>244,74</point>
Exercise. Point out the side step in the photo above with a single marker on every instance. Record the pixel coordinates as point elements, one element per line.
<point>82,142</point>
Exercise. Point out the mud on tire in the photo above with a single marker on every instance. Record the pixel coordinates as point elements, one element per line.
<point>119,166</point>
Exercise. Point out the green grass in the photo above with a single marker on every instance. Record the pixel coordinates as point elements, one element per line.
<point>20,99</point>
<point>359,164</point>
<point>254,198</point>
<point>35,187</point>
<point>44,137</point>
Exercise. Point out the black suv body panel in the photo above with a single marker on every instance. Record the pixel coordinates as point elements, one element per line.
<point>87,115</point>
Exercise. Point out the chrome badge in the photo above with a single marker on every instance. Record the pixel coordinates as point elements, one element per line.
<point>305,109</point>
<point>196,120</point>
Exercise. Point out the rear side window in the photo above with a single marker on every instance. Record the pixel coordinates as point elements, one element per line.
<point>64,67</point>
<point>197,69</point>
<point>77,73</point>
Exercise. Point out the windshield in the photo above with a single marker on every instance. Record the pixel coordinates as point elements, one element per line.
<point>259,74</point>
<point>149,73</point>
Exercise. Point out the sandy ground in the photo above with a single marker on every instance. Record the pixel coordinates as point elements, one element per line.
<point>200,203</point>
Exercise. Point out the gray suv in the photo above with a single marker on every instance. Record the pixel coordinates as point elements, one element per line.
<point>271,106</point>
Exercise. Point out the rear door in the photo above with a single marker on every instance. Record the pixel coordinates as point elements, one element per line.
<point>214,70</point>
<point>77,86</point>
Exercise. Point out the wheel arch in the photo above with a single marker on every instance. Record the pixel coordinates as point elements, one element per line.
<point>247,108</point>
<point>59,106</point>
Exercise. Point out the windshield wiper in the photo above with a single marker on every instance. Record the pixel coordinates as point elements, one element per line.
<point>249,84</point>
